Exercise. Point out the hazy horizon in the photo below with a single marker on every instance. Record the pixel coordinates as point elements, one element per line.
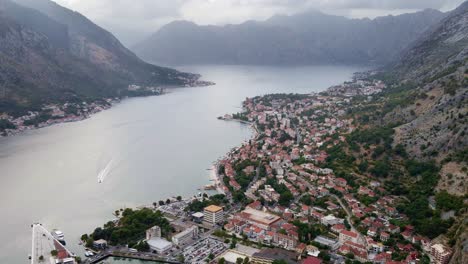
<point>132,23</point>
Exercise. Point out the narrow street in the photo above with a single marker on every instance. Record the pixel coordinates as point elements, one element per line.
<point>348,213</point>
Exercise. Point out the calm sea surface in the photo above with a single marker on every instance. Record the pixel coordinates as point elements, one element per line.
<point>145,149</point>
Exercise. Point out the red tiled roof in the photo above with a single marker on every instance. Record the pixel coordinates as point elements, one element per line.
<point>312,260</point>
<point>348,233</point>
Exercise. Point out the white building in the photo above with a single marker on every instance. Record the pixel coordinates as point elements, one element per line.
<point>213,214</point>
<point>160,245</point>
<point>156,243</point>
<point>331,220</point>
<point>185,236</point>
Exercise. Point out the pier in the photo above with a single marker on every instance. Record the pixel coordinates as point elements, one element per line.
<point>43,244</point>
<point>126,254</point>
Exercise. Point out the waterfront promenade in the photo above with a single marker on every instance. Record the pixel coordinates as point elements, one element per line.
<point>125,253</point>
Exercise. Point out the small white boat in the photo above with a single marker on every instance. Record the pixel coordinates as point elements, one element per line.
<point>57,234</point>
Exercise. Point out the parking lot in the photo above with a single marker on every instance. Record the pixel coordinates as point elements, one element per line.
<point>174,209</point>
<point>198,252</point>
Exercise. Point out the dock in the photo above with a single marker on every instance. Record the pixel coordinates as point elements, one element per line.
<point>126,254</point>
<point>43,244</point>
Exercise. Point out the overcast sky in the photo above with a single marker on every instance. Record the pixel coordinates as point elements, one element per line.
<point>133,20</point>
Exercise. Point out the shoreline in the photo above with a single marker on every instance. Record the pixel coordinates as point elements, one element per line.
<point>64,120</point>
<point>214,175</point>
<point>111,102</point>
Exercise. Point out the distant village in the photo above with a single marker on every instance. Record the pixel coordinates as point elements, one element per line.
<point>361,85</point>
<point>51,114</point>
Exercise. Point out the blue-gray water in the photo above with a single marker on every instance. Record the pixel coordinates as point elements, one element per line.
<point>154,147</point>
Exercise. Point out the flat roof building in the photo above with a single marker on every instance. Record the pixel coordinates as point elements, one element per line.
<point>160,245</point>
<point>213,214</point>
<point>267,256</point>
<point>198,217</point>
<point>262,219</point>
<point>185,236</point>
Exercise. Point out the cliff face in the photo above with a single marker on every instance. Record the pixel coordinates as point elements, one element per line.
<point>435,125</point>
<point>50,54</point>
<point>439,51</point>
<point>460,249</point>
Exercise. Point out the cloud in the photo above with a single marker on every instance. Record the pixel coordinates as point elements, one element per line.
<point>132,20</point>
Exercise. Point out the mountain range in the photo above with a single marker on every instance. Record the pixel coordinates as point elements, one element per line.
<point>307,38</point>
<point>49,54</point>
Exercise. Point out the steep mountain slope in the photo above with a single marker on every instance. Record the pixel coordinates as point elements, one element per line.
<point>307,38</point>
<point>89,41</point>
<point>415,132</point>
<point>443,45</point>
<point>46,59</point>
<point>436,123</point>
<point>426,101</point>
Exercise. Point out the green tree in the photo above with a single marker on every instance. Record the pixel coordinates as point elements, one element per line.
<point>233,244</point>
<point>325,256</point>
<point>363,166</point>
<point>380,168</point>
<point>84,237</point>
<point>400,151</point>
<point>89,242</point>
<point>142,246</point>
<point>306,199</point>
<point>279,261</point>
<point>131,227</point>
<point>447,201</point>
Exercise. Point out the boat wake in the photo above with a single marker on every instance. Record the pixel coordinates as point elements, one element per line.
<point>104,172</point>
